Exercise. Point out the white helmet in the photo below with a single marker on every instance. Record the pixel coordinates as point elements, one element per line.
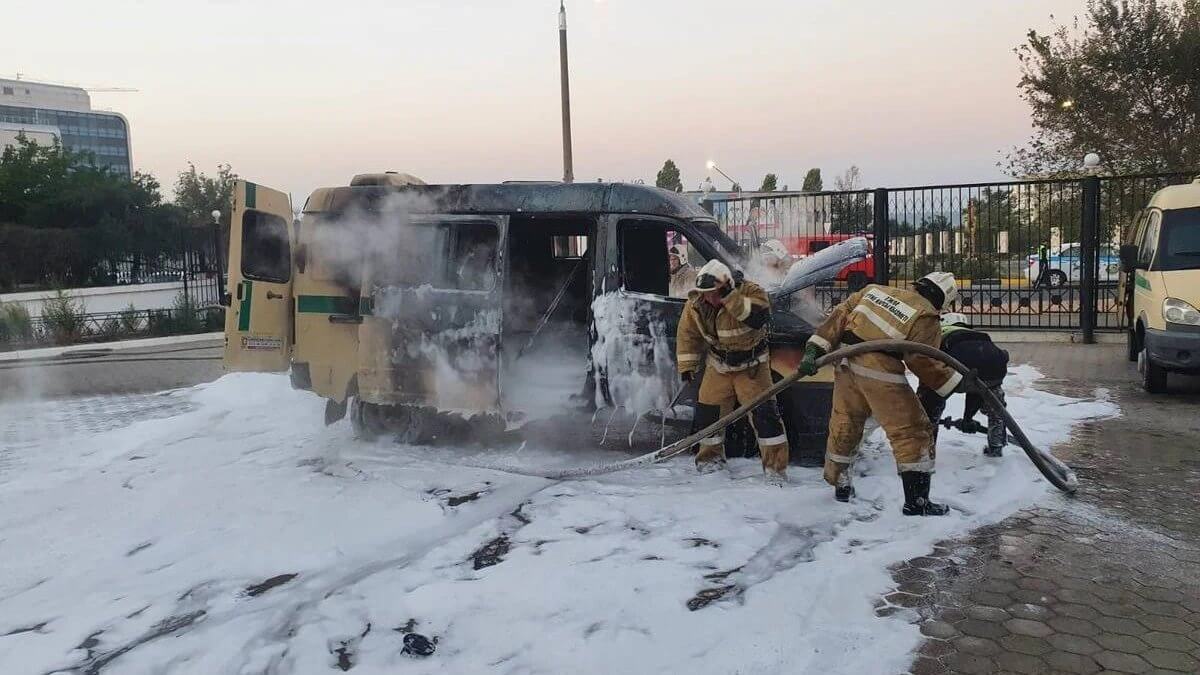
<point>955,319</point>
<point>712,276</point>
<point>774,247</point>
<point>944,282</point>
<point>679,251</point>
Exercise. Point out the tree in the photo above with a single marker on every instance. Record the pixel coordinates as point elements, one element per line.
<point>668,177</point>
<point>198,194</point>
<point>812,181</point>
<point>770,182</point>
<point>851,211</point>
<point>62,219</point>
<point>1127,87</point>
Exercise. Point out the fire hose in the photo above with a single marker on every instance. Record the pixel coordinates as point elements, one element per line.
<point>1055,471</point>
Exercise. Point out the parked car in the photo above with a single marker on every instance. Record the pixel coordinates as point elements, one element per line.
<point>1160,286</point>
<point>1065,266</point>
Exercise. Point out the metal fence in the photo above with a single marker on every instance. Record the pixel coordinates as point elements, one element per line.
<point>988,234</point>
<point>196,308</point>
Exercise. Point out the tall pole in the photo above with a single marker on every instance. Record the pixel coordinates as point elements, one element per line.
<point>568,168</point>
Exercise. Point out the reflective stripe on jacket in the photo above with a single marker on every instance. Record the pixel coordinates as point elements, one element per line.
<point>887,313</point>
<point>740,325</point>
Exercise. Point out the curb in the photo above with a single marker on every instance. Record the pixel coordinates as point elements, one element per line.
<point>106,348</point>
<point>1064,336</point>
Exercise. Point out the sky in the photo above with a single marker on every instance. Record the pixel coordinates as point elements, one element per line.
<point>301,95</point>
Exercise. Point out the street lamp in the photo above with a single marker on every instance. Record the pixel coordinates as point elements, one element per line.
<point>712,166</point>
<point>1067,104</point>
<point>216,216</point>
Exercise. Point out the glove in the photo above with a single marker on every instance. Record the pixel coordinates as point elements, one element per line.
<point>812,352</point>
<point>686,377</point>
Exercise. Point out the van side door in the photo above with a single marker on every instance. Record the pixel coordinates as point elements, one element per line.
<point>637,318</point>
<point>258,321</point>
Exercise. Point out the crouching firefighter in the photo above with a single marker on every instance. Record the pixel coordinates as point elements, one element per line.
<point>874,385</point>
<point>726,317</point>
<point>976,351</point>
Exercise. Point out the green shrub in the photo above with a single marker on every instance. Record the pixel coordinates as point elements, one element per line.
<point>65,318</point>
<point>159,322</point>
<point>131,320</point>
<point>214,319</point>
<point>16,326</point>
<point>111,328</point>
<point>187,319</point>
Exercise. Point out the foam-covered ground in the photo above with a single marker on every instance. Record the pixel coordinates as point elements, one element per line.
<point>227,531</point>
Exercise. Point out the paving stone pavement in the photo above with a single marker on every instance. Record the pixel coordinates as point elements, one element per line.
<point>1106,581</point>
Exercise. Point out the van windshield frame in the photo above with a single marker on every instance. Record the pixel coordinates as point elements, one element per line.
<point>1178,241</point>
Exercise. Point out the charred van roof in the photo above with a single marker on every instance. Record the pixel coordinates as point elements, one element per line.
<point>513,198</point>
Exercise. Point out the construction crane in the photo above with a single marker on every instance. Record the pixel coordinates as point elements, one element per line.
<point>99,90</point>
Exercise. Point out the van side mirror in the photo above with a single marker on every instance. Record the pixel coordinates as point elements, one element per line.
<point>1129,256</point>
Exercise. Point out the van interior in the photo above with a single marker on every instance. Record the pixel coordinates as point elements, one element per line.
<point>546,304</point>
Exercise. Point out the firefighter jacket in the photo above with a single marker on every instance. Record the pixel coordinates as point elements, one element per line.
<point>976,351</point>
<point>881,313</point>
<point>734,336</point>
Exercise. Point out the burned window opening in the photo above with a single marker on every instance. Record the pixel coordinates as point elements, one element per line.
<point>266,251</point>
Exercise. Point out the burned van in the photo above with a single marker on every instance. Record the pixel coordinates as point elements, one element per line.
<point>409,305</point>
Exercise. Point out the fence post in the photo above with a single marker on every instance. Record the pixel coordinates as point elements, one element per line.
<point>1089,246</point>
<point>880,226</point>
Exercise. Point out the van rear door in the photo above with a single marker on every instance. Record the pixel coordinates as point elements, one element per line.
<point>258,321</point>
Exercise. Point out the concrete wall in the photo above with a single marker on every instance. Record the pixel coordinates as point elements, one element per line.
<point>104,298</point>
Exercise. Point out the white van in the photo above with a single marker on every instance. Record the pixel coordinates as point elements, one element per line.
<point>1160,285</point>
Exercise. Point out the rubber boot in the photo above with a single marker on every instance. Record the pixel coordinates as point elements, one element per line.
<point>843,491</point>
<point>775,478</point>
<point>916,495</point>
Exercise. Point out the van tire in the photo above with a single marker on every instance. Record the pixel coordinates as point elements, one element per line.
<point>1154,376</point>
<point>1132,345</point>
<point>364,419</point>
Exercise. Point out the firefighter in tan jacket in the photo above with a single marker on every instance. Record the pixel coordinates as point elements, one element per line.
<point>724,323</point>
<point>874,385</point>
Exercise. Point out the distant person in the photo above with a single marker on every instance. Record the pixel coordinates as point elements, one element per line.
<point>1043,265</point>
<point>776,261</point>
<point>683,275</point>
<point>976,351</point>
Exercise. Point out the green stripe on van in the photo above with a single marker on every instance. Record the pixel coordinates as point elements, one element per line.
<point>244,308</point>
<point>324,304</point>
<point>1142,281</point>
<point>251,195</point>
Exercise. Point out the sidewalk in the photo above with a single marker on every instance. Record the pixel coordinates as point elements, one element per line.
<point>104,348</point>
<point>1107,581</point>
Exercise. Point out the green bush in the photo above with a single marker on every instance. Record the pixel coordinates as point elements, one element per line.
<point>65,318</point>
<point>131,320</point>
<point>159,322</point>
<point>111,328</point>
<point>214,319</point>
<point>15,324</point>
<point>187,319</point>
<point>977,268</point>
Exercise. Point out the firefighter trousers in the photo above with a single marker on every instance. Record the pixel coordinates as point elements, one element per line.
<point>720,394</point>
<point>866,392</point>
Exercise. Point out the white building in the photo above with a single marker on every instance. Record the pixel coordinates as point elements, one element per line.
<point>44,112</point>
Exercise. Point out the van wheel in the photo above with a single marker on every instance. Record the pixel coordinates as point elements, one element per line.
<point>1056,278</point>
<point>364,419</point>
<point>1132,348</point>
<point>1154,376</point>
